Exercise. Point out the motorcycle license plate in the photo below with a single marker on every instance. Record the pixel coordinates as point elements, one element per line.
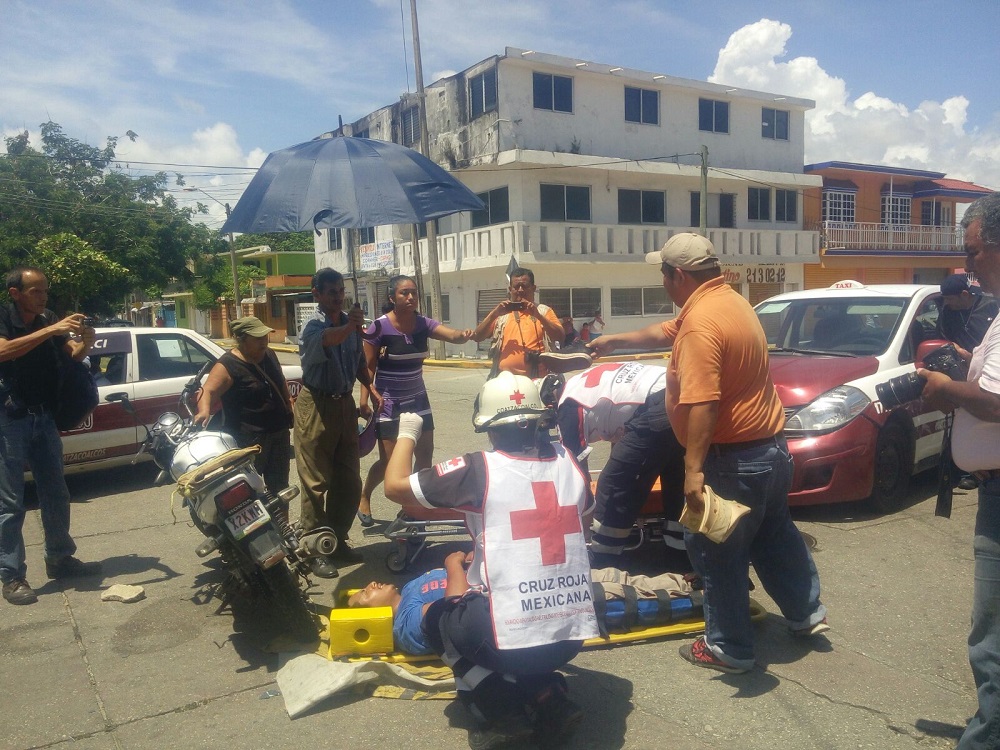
<point>245,520</point>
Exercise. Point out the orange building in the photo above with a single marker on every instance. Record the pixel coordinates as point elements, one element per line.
<point>884,225</point>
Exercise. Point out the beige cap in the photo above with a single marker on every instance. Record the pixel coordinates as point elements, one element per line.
<point>249,326</point>
<point>686,251</point>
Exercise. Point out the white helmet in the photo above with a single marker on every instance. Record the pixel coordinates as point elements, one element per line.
<point>507,399</point>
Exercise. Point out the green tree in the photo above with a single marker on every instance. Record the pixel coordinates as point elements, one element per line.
<point>279,242</point>
<point>67,186</point>
<point>80,276</point>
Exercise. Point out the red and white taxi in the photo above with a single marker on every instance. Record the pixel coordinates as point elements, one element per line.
<point>829,348</point>
<point>151,365</point>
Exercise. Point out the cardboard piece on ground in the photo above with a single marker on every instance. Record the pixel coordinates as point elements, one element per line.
<point>307,679</point>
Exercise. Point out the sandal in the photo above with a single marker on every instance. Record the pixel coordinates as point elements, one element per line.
<point>366,519</point>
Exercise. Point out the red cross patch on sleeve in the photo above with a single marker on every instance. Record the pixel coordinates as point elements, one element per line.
<point>450,465</point>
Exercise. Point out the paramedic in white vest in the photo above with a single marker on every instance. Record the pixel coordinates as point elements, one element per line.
<point>530,603</point>
<point>624,405</point>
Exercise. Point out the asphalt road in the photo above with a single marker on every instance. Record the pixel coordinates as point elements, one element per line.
<point>173,671</point>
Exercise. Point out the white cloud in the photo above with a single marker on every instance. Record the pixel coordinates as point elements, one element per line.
<point>870,129</point>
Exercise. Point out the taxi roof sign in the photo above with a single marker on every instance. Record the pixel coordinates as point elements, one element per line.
<point>847,284</point>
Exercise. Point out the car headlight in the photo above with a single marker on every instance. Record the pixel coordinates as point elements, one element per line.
<point>832,410</point>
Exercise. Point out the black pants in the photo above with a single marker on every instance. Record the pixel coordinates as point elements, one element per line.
<point>647,449</point>
<point>497,682</point>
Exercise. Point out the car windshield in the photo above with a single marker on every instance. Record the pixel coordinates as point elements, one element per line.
<point>861,326</point>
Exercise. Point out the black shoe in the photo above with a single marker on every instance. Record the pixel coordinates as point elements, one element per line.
<point>604,559</point>
<point>323,568</point>
<point>19,592</point>
<point>555,719</point>
<point>366,519</point>
<point>567,360</point>
<point>346,554</point>
<point>511,731</point>
<point>70,567</point>
<point>968,482</point>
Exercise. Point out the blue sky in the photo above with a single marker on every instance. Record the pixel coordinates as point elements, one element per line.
<point>215,83</point>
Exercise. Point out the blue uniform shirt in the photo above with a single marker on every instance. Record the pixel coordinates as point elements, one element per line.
<point>406,630</point>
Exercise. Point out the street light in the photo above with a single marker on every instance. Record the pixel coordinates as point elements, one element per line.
<point>232,251</point>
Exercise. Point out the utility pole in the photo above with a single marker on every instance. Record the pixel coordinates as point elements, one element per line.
<point>437,347</point>
<point>703,224</point>
<point>232,249</point>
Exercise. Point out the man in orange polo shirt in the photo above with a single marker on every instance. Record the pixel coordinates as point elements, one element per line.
<point>524,327</point>
<point>725,412</point>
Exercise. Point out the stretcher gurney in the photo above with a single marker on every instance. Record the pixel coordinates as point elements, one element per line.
<point>366,633</point>
<point>416,526</point>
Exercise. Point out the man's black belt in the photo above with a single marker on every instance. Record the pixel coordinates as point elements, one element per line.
<point>327,394</point>
<point>723,448</point>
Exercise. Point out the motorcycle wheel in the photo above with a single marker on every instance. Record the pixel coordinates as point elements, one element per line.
<point>281,587</point>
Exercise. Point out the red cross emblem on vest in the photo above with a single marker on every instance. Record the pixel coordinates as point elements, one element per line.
<point>517,397</point>
<point>593,376</point>
<point>548,521</point>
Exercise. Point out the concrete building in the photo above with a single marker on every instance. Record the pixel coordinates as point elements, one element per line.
<point>885,225</point>
<point>585,167</point>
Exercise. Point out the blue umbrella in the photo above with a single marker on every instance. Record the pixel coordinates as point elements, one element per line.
<point>346,182</point>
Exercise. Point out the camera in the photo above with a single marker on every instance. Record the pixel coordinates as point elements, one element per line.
<point>516,306</point>
<point>905,388</point>
<point>90,322</point>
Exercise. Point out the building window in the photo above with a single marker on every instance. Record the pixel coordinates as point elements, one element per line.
<point>713,116</point>
<point>445,308</point>
<point>422,229</point>
<point>182,309</point>
<point>553,92</point>
<point>785,202</point>
<point>483,93</point>
<point>774,124</point>
<point>726,204</point>
<point>642,105</point>
<point>366,236</point>
<point>409,125</point>
<point>930,214</point>
<point>497,210</point>
<point>650,300</point>
<point>896,209</point>
<point>277,306</point>
<point>565,203</point>
<point>759,204</point>
<point>641,207</point>
<point>335,239</point>
<point>583,302</point>
<point>838,206</point>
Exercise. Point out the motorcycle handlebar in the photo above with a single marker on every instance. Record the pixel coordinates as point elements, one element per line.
<point>192,387</point>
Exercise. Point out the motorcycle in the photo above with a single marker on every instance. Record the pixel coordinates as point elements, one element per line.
<point>241,518</point>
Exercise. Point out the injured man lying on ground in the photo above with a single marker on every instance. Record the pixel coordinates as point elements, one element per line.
<point>623,602</point>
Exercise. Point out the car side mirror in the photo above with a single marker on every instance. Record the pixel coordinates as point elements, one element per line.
<point>926,347</point>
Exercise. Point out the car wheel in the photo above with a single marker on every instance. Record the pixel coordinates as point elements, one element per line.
<point>893,468</point>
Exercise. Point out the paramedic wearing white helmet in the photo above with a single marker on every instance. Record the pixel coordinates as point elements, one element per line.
<point>530,603</point>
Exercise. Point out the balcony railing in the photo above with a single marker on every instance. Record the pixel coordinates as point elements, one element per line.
<point>902,238</point>
<point>556,242</point>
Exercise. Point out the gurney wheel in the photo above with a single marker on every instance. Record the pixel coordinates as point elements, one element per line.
<point>396,560</point>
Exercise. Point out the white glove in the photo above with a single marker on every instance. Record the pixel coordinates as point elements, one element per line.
<point>410,426</point>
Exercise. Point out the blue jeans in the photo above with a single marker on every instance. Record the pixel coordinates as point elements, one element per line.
<point>33,441</point>
<point>759,477</point>
<point>984,639</point>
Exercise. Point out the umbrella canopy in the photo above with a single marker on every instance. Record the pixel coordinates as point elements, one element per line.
<point>346,182</point>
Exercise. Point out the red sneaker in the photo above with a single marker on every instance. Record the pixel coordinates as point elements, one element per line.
<point>699,654</point>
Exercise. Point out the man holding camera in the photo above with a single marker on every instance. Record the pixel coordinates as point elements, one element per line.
<point>30,337</point>
<point>520,328</point>
<point>975,445</point>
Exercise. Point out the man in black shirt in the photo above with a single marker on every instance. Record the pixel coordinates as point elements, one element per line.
<point>30,339</point>
<point>965,312</point>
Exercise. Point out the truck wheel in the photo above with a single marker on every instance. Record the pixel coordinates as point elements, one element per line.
<point>893,468</point>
